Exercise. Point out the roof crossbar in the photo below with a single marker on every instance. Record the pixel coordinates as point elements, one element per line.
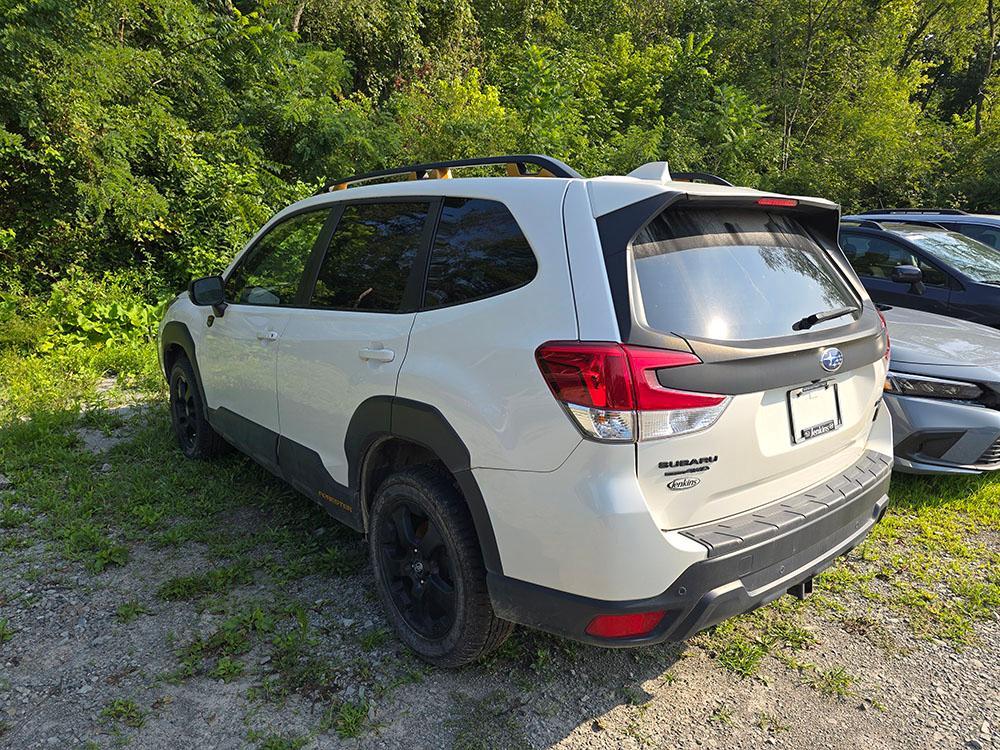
<point>700,177</point>
<point>517,166</point>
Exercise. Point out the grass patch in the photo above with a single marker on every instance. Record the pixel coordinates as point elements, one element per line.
<point>280,742</point>
<point>770,724</point>
<point>130,610</point>
<point>349,719</point>
<point>733,649</point>
<point>721,715</point>
<point>11,518</point>
<point>372,639</point>
<point>6,631</point>
<point>833,682</point>
<point>297,668</point>
<point>199,584</point>
<point>227,669</point>
<point>124,711</point>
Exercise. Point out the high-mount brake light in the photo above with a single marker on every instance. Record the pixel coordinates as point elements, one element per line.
<point>613,393</point>
<point>778,202</point>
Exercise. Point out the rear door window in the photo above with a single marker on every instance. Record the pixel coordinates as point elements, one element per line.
<point>734,275</point>
<point>479,251</point>
<point>984,233</point>
<point>368,262</point>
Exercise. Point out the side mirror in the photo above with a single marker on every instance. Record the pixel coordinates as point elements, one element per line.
<point>909,275</point>
<point>209,290</point>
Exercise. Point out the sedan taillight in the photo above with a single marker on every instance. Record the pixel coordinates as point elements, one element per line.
<point>613,393</point>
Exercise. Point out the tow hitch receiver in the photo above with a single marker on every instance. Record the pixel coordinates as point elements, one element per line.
<point>803,589</point>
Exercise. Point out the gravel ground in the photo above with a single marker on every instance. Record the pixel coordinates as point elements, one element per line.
<point>76,672</point>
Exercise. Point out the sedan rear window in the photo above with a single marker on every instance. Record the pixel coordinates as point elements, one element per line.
<point>734,275</point>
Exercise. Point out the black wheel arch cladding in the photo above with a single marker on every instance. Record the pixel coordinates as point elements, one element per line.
<point>176,334</point>
<point>381,417</point>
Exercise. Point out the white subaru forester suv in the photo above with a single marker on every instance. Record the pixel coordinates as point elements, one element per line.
<point>617,409</point>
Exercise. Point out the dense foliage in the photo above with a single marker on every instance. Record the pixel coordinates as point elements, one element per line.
<point>151,137</point>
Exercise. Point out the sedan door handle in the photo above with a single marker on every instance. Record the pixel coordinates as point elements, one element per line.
<point>378,355</point>
<point>267,335</point>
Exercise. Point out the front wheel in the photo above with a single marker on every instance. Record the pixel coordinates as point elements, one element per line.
<point>195,435</point>
<point>429,572</point>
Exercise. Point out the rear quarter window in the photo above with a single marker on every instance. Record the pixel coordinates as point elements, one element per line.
<point>479,251</point>
<point>734,275</point>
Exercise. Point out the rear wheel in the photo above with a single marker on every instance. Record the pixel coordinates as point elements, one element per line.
<point>429,571</point>
<point>195,435</point>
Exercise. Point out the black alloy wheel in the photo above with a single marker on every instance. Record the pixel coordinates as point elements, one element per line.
<point>418,570</point>
<point>429,571</point>
<point>184,411</point>
<point>195,435</point>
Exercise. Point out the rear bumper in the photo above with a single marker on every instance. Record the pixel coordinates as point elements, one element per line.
<point>753,559</point>
<point>936,436</point>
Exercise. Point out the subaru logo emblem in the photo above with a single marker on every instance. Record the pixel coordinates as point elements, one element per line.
<point>831,359</point>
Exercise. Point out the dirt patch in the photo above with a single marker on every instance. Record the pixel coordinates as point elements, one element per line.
<point>228,612</point>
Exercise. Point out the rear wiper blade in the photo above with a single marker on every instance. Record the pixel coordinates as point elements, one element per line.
<point>810,320</point>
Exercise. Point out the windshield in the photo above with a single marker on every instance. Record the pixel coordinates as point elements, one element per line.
<point>977,261</point>
<point>734,275</point>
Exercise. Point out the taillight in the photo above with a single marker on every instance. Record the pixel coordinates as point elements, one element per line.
<point>885,330</point>
<point>624,626</point>
<point>613,393</point>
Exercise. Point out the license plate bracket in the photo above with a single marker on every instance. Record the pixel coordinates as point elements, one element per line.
<point>814,410</point>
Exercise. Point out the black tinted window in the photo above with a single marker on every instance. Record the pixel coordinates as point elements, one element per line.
<point>479,251</point>
<point>734,274</point>
<point>986,234</point>
<point>271,271</point>
<point>367,265</point>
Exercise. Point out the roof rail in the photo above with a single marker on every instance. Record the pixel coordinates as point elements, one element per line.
<point>869,224</point>
<point>917,223</point>
<point>700,176</point>
<point>943,211</point>
<point>517,166</point>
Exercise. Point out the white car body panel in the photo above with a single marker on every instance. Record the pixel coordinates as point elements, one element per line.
<point>238,361</point>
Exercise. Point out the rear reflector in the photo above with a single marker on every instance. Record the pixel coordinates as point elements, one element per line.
<point>624,626</point>
<point>778,202</point>
<point>613,393</point>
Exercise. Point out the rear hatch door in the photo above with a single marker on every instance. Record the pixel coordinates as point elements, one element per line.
<point>759,291</point>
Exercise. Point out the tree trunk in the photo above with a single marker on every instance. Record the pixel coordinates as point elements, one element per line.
<point>988,71</point>
<point>297,18</point>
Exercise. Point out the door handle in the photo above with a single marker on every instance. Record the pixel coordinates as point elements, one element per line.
<point>378,355</point>
<point>267,335</point>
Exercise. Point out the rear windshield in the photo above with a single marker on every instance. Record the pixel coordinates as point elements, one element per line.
<point>734,275</point>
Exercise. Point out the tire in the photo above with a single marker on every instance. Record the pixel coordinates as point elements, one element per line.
<point>433,587</point>
<point>194,434</point>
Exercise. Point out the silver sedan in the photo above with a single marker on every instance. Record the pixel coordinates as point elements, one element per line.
<point>943,392</point>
